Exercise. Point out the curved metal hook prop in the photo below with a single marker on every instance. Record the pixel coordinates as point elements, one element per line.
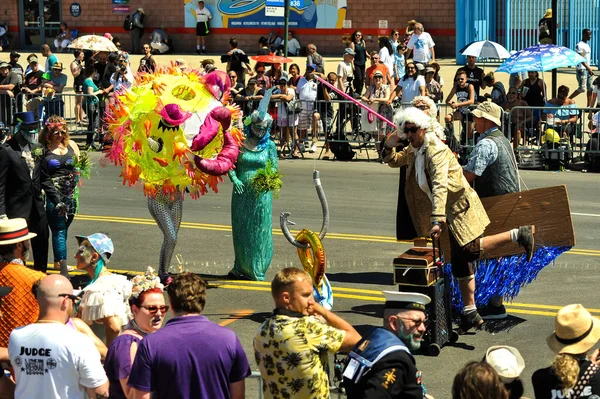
<point>284,222</point>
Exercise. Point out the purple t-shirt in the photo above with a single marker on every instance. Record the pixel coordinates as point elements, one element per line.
<point>118,363</point>
<point>190,357</point>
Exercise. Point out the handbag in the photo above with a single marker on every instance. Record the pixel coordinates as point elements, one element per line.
<point>294,106</point>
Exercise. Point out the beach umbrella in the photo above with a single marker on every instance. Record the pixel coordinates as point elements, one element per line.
<point>485,49</point>
<point>94,43</point>
<point>271,59</point>
<point>541,57</point>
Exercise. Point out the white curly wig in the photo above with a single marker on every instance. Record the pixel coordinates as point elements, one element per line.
<point>411,115</point>
<point>435,125</point>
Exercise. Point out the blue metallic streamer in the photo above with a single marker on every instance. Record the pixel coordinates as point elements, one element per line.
<point>503,276</point>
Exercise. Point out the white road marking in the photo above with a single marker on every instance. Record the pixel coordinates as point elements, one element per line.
<point>585,214</point>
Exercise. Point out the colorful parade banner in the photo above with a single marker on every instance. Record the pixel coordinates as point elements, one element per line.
<point>311,14</point>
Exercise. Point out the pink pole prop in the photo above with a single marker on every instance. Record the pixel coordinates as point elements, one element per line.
<point>346,96</point>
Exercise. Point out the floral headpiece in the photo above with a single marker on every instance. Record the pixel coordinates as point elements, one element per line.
<point>145,282</point>
<point>54,125</point>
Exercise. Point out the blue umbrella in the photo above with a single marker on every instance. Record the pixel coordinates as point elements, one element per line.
<point>541,57</point>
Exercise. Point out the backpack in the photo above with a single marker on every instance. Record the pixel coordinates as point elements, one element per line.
<point>235,63</point>
<point>128,23</point>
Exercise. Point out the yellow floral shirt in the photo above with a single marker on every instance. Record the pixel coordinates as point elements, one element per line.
<point>291,353</point>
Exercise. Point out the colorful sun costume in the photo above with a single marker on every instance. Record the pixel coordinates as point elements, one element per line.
<point>172,131</point>
<point>251,202</point>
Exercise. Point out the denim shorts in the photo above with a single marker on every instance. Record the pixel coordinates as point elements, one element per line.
<point>584,80</point>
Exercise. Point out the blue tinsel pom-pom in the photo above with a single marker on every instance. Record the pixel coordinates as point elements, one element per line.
<point>503,276</point>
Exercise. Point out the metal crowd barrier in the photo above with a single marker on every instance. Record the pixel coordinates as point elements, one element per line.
<point>67,105</point>
<point>334,392</point>
<point>7,109</point>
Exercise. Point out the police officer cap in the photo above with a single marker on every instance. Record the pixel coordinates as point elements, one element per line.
<point>405,300</point>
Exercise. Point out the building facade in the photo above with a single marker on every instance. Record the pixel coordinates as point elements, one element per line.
<point>326,23</point>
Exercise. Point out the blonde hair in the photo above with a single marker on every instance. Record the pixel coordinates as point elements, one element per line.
<point>284,280</point>
<point>54,123</point>
<point>566,368</point>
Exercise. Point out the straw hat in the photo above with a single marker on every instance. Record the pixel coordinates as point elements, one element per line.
<point>13,231</point>
<point>575,331</point>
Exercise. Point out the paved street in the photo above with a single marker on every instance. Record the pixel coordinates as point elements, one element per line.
<point>360,246</point>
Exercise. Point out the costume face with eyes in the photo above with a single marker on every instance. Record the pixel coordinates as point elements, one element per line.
<point>173,130</point>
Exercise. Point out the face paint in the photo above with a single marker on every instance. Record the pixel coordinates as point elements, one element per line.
<point>258,131</point>
<point>84,255</point>
<point>411,340</point>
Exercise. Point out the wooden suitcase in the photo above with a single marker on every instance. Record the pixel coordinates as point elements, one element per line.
<point>418,267</point>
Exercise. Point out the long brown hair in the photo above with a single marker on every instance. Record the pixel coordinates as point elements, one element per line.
<point>478,380</point>
<point>53,124</point>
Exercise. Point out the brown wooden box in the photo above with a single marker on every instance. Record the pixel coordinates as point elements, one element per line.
<point>416,267</point>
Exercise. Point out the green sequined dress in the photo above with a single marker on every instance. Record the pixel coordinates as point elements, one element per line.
<point>252,216</point>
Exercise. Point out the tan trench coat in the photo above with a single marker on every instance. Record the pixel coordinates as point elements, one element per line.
<point>453,200</point>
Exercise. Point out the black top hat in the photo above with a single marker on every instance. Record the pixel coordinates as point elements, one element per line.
<point>25,118</point>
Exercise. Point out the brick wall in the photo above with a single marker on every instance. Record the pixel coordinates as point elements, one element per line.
<point>98,17</point>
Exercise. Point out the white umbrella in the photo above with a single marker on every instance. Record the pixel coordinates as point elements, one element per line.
<point>485,49</point>
<point>94,43</point>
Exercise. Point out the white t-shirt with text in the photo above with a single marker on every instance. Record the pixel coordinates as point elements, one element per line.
<point>421,46</point>
<point>53,360</point>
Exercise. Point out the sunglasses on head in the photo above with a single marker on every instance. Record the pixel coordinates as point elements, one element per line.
<point>154,309</point>
<point>413,129</point>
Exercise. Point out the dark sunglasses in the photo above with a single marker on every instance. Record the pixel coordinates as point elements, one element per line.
<point>413,129</point>
<point>417,322</point>
<point>233,76</point>
<point>154,309</point>
<point>422,107</point>
<point>70,296</point>
<point>261,71</point>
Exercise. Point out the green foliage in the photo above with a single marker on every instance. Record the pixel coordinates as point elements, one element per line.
<point>83,165</point>
<point>267,179</point>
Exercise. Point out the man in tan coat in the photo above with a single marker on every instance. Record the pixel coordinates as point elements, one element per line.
<point>437,195</point>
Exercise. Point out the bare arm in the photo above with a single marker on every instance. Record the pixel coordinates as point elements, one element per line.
<point>451,95</point>
<point>83,328</point>
<point>433,54</point>
<point>470,176</point>
<point>7,388</point>
<point>112,327</point>
<point>238,389</point>
<point>137,394</point>
<point>350,338</point>
<point>100,392</point>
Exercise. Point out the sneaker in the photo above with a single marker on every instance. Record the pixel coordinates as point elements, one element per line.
<point>526,239</point>
<point>490,312</point>
<point>203,51</point>
<point>197,51</point>
<point>313,148</point>
<point>469,321</point>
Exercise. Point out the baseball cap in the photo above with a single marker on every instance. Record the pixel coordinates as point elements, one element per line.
<point>101,243</point>
<point>419,66</point>
<point>32,58</point>
<point>430,70</point>
<point>14,54</point>
<point>252,81</point>
<point>349,51</point>
<point>141,10</point>
<point>282,81</point>
<point>4,64</point>
<point>311,66</point>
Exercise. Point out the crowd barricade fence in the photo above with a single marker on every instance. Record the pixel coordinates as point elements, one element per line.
<point>334,392</point>
<point>7,110</point>
<point>67,105</point>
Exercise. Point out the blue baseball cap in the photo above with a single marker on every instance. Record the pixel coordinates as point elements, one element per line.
<point>101,243</point>
<point>313,66</point>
